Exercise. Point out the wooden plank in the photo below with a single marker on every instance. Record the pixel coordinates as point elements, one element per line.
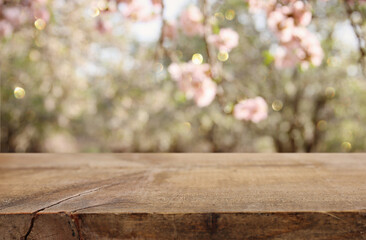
<point>183,196</point>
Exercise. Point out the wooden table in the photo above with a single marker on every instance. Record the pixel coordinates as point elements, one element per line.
<point>182,196</point>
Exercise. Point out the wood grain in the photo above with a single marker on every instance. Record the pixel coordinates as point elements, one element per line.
<point>182,196</point>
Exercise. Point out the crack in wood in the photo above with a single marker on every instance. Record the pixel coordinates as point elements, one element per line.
<point>33,219</point>
<point>75,220</point>
<point>35,213</point>
<point>212,222</point>
<point>75,187</point>
<point>99,205</point>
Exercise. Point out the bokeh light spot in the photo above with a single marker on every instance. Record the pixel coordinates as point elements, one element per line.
<point>19,93</point>
<point>219,16</point>
<point>187,125</point>
<point>356,17</point>
<point>230,14</point>
<point>197,58</point>
<point>347,146</point>
<point>321,125</point>
<point>223,56</point>
<point>229,108</point>
<point>40,24</point>
<point>102,5</point>
<point>330,92</point>
<point>277,105</point>
<point>94,12</point>
<point>159,67</point>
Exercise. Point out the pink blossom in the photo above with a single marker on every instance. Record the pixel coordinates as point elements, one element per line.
<point>254,109</point>
<point>281,25</point>
<point>13,15</point>
<point>260,5</point>
<point>226,40</point>
<point>306,46</point>
<point>191,21</point>
<point>124,1</point>
<point>6,29</point>
<point>42,13</point>
<point>285,58</point>
<point>205,92</point>
<point>312,48</point>
<point>287,19</point>
<point>352,2</point>
<point>284,18</point>
<point>141,10</point>
<point>195,81</point>
<point>103,26</point>
<point>170,30</point>
<point>301,12</point>
<point>157,2</point>
<point>40,2</point>
<point>39,9</point>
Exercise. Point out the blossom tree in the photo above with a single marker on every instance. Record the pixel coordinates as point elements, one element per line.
<point>14,14</point>
<point>230,76</point>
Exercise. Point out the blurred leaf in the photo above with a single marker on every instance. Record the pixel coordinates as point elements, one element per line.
<point>268,58</point>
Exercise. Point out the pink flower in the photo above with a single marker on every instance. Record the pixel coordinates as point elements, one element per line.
<point>42,13</point>
<point>254,110</point>
<point>284,18</point>
<point>103,26</point>
<point>306,47</point>
<point>157,2</point>
<point>301,12</point>
<point>205,92</point>
<point>13,15</point>
<point>285,58</point>
<point>191,21</point>
<point>140,10</point>
<point>260,5</point>
<point>6,30</point>
<point>281,25</point>
<point>352,2</point>
<point>40,2</point>
<point>312,48</point>
<point>226,40</point>
<point>287,20</point>
<point>195,81</point>
<point>170,30</point>
<point>124,1</point>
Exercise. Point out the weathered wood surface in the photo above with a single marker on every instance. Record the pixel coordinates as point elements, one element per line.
<point>182,196</point>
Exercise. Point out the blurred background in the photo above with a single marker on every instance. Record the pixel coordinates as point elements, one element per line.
<point>93,76</point>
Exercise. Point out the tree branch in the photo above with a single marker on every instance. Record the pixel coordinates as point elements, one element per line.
<point>161,38</point>
<point>207,32</point>
<point>361,49</point>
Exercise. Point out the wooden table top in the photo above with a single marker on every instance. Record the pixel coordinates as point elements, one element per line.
<point>183,196</point>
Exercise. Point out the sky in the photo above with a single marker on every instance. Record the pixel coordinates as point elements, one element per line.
<point>150,31</point>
